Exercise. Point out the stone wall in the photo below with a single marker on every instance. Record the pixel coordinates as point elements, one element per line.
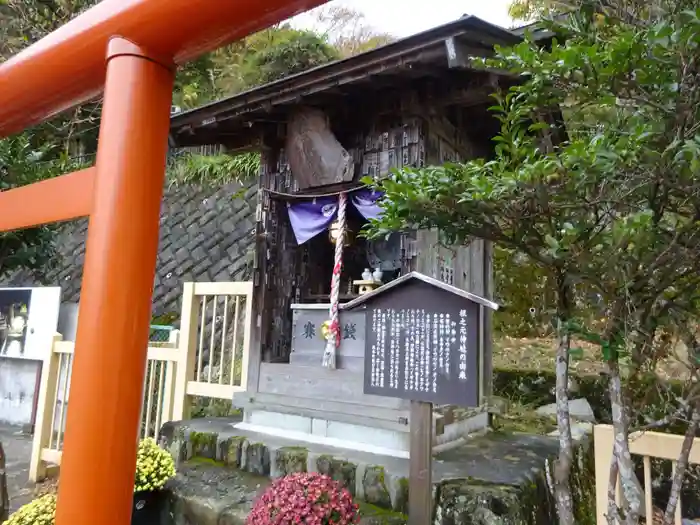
<point>205,235</point>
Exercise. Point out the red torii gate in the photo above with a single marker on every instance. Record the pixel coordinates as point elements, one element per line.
<point>131,48</point>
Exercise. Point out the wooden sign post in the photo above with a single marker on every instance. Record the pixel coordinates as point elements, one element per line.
<point>422,345</point>
<point>420,477</point>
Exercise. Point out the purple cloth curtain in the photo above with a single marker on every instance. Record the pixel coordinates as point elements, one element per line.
<point>366,203</point>
<point>311,217</point>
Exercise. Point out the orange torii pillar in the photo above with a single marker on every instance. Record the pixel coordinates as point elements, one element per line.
<point>139,42</point>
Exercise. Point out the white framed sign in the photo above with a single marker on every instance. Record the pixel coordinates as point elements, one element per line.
<point>28,321</point>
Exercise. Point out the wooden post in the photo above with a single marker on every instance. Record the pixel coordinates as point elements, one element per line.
<point>50,372</point>
<point>169,387</point>
<point>420,479</point>
<point>187,351</point>
<point>99,456</point>
<point>37,386</point>
<point>603,444</point>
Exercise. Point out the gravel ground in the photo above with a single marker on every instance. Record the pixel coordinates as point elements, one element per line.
<point>18,449</point>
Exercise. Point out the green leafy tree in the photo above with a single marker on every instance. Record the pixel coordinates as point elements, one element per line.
<point>44,151</point>
<point>196,83</point>
<point>609,202</point>
<point>268,55</point>
<point>290,52</point>
<point>25,22</point>
<point>263,57</point>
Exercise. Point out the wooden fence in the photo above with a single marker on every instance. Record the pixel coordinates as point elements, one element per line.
<point>648,445</point>
<point>208,357</point>
<point>215,329</point>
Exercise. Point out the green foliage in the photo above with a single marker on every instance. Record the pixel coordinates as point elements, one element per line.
<point>535,9</point>
<point>609,202</point>
<point>41,152</point>
<point>165,319</point>
<point>27,21</point>
<point>290,52</point>
<point>195,83</point>
<point>594,178</point>
<point>213,170</point>
<point>525,289</point>
<point>263,57</point>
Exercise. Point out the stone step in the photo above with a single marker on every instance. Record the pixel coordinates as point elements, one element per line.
<point>489,475</point>
<point>208,494</point>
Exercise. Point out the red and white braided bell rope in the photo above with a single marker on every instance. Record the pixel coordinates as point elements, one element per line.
<point>333,339</point>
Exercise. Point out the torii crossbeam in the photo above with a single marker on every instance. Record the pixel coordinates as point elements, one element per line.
<point>131,48</point>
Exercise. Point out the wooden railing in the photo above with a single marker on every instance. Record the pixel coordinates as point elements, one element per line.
<point>208,357</point>
<point>54,392</point>
<point>215,329</point>
<point>648,445</point>
<point>159,385</point>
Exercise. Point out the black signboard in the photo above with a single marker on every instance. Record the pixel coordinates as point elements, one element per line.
<point>422,345</point>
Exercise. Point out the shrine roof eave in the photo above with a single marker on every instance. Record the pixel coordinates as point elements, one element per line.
<point>404,279</point>
<point>233,119</point>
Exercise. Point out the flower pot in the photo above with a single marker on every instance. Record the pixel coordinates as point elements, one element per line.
<point>147,507</point>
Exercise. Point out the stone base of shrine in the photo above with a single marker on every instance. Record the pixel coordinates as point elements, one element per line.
<point>327,432</point>
<point>497,477</point>
<point>357,435</point>
<point>329,407</point>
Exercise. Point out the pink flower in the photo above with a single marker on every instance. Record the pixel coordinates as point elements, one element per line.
<point>304,498</point>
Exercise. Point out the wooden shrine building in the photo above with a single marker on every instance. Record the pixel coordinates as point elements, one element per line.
<point>414,102</point>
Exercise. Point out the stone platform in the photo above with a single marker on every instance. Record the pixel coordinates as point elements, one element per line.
<point>496,478</point>
<point>18,452</point>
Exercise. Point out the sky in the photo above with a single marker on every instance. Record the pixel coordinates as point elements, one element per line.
<point>402,18</point>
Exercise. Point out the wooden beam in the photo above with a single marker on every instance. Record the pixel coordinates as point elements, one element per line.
<point>53,200</point>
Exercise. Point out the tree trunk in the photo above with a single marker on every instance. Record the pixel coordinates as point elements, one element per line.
<point>562,466</point>
<point>613,515</point>
<point>631,488</point>
<point>4,499</point>
<point>681,466</point>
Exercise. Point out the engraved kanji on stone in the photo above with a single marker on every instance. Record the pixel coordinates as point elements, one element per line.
<point>309,330</point>
<point>349,331</point>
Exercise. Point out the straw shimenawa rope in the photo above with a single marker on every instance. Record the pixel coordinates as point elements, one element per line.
<point>333,339</point>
